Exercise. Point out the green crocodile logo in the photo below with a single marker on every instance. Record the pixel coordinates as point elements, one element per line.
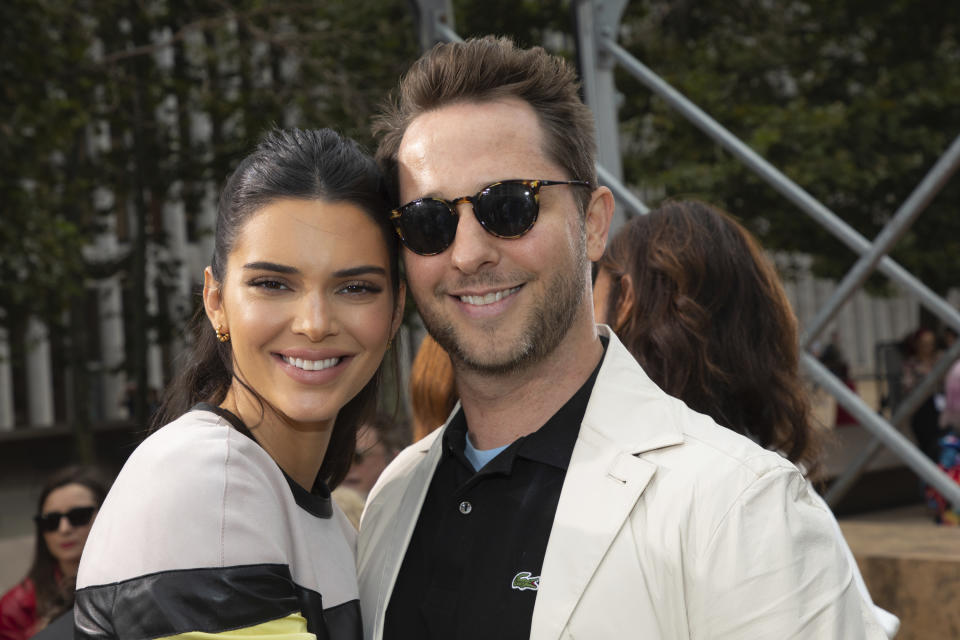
<point>523,581</point>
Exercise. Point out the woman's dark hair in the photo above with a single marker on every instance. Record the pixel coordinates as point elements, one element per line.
<point>291,163</point>
<point>711,324</point>
<point>55,596</point>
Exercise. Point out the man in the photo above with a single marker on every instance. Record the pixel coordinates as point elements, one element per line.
<point>567,497</point>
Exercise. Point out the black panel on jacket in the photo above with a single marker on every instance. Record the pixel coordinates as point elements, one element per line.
<point>343,622</point>
<point>209,600</point>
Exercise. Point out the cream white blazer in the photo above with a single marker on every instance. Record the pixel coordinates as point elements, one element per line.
<point>668,526</point>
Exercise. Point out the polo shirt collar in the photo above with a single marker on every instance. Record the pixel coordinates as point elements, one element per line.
<point>550,444</point>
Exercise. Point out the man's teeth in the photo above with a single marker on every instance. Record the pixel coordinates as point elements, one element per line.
<point>311,365</point>
<point>490,298</point>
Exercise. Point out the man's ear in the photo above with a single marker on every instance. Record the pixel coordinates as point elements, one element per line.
<point>599,214</point>
<point>213,302</point>
<point>625,302</point>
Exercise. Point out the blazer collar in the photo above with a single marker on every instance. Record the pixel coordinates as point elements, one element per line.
<point>623,383</point>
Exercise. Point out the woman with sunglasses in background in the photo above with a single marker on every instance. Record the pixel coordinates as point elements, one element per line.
<point>691,295</point>
<point>67,506</point>
<point>221,522</point>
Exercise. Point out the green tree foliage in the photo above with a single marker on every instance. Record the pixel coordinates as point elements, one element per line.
<point>43,188</point>
<point>855,101</point>
<point>113,110</point>
<point>529,22</point>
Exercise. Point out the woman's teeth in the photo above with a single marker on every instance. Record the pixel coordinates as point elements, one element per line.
<point>312,365</point>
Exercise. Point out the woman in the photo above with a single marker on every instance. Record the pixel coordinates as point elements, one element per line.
<point>221,521</point>
<point>67,506</point>
<point>689,292</point>
<point>922,355</point>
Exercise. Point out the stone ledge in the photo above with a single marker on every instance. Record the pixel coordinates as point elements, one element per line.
<point>912,568</point>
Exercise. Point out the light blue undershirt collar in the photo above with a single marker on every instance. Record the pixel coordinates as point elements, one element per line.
<point>479,458</point>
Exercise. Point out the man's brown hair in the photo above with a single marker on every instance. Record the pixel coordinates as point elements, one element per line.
<point>488,69</point>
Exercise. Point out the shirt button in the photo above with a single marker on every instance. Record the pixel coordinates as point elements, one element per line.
<point>465,507</point>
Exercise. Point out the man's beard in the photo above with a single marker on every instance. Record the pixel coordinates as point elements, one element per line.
<point>546,325</point>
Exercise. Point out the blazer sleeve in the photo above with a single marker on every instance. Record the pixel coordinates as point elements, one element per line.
<point>773,568</point>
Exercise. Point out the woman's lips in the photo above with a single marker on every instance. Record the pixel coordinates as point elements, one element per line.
<point>319,376</point>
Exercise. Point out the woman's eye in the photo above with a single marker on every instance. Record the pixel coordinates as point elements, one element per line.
<point>360,288</point>
<point>267,283</point>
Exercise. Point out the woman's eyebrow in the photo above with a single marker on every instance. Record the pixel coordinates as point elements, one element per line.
<point>360,271</point>
<point>271,266</point>
<point>366,269</point>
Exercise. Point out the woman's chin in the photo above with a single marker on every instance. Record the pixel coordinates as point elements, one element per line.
<point>308,417</point>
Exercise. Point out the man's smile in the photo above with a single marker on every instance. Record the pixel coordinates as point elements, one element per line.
<point>488,298</point>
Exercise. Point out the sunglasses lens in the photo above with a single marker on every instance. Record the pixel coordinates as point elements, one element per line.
<point>80,515</point>
<point>507,210</point>
<point>427,226</point>
<point>77,517</point>
<point>48,522</point>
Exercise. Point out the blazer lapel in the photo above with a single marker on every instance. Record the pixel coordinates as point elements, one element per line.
<point>600,491</point>
<point>626,416</point>
<point>391,546</point>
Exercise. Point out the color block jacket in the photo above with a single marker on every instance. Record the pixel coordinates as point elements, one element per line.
<point>202,535</point>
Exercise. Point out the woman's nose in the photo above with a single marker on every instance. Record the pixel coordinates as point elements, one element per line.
<point>315,317</point>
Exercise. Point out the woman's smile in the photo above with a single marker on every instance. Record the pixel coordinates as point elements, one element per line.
<point>316,371</point>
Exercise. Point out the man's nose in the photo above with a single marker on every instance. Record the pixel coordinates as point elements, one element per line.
<point>473,247</point>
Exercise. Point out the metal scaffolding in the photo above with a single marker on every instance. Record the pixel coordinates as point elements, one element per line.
<point>598,23</point>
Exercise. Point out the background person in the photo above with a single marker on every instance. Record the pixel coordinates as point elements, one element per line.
<point>950,416</point>
<point>221,521</point>
<point>432,391</point>
<point>691,295</point>
<point>66,508</point>
<point>921,356</point>
<point>378,442</point>
<point>949,448</point>
<point>835,361</point>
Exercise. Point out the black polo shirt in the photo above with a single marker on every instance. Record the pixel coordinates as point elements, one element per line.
<point>472,567</point>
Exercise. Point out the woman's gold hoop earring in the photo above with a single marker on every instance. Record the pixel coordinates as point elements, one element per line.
<point>222,336</point>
